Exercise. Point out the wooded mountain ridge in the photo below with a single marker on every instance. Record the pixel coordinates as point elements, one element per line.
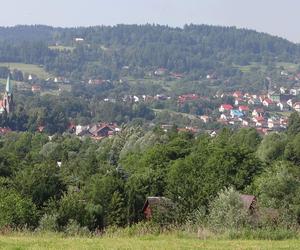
<point>105,50</point>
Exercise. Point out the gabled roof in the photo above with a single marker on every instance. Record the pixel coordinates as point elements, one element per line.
<point>269,101</point>
<point>156,200</point>
<point>243,108</point>
<point>248,200</point>
<point>226,106</point>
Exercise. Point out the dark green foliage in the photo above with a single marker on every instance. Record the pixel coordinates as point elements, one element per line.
<point>196,49</point>
<point>16,211</point>
<point>105,183</point>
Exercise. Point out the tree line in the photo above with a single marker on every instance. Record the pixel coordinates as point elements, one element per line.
<point>52,182</point>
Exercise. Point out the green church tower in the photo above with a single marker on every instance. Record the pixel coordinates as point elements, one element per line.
<point>8,97</point>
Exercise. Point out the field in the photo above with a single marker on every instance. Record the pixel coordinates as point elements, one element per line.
<point>27,68</point>
<point>146,242</point>
<point>291,67</point>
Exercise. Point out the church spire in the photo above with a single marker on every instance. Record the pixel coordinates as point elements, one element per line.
<point>8,87</point>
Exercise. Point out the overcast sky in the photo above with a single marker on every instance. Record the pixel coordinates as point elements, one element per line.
<point>276,17</point>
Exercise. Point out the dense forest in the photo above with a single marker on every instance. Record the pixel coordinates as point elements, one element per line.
<point>50,182</point>
<point>104,51</point>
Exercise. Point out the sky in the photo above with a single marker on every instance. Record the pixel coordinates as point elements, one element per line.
<point>275,17</point>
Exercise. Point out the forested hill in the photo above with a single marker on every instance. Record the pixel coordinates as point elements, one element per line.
<point>105,50</point>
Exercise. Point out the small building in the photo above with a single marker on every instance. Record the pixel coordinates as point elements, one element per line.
<point>205,118</point>
<point>267,102</point>
<point>162,203</point>
<point>275,97</point>
<point>79,39</point>
<point>225,107</point>
<point>296,106</point>
<point>236,113</point>
<point>294,92</point>
<point>35,88</point>
<point>243,108</point>
<point>258,112</point>
<point>102,130</point>
<point>237,94</point>
<point>249,202</point>
<point>160,72</point>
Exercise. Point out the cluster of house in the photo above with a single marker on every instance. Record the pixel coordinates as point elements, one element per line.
<point>251,110</point>
<point>96,131</point>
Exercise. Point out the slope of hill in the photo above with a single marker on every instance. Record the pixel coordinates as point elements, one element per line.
<point>103,51</point>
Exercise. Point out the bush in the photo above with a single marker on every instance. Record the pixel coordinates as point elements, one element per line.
<point>227,211</point>
<point>48,223</point>
<point>74,229</point>
<point>16,211</point>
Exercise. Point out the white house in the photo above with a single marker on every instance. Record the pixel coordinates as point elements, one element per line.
<point>280,105</point>
<point>290,102</point>
<point>294,91</point>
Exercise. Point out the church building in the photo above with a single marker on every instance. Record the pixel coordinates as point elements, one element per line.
<point>6,104</point>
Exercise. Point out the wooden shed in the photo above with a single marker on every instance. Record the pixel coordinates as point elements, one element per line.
<point>152,203</point>
<point>249,201</point>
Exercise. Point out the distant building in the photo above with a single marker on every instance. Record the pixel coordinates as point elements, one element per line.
<point>79,39</point>
<point>160,72</point>
<point>35,88</point>
<point>6,105</point>
<point>236,113</point>
<point>225,107</point>
<point>275,97</point>
<point>296,106</point>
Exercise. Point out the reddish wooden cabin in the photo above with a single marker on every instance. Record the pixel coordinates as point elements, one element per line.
<point>154,202</point>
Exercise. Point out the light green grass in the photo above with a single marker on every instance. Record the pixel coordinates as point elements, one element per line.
<point>145,242</point>
<point>27,68</point>
<point>290,67</point>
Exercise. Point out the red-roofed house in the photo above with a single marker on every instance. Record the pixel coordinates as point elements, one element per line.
<point>225,107</point>
<point>187,97</point>
<point>237,94</point>
<point>267,102</point>
<point>243,108</point>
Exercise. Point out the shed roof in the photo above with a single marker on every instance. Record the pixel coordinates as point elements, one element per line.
<point>247,200</point>
<point>154,200</point>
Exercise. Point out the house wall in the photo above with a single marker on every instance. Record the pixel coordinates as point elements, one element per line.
<point>148,212</point>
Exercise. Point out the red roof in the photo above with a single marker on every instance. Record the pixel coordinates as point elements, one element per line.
<point>226,106</point>
<point>237,94</point>
<point>248,201</point>
<point>4,130</point>
<point>259,118</point>
<point>269,101</point>
<point>243,108</point>
<point>259,110</point>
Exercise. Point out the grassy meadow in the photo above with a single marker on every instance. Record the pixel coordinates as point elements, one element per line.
<point>27,68</point>
<point>48,241</point>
